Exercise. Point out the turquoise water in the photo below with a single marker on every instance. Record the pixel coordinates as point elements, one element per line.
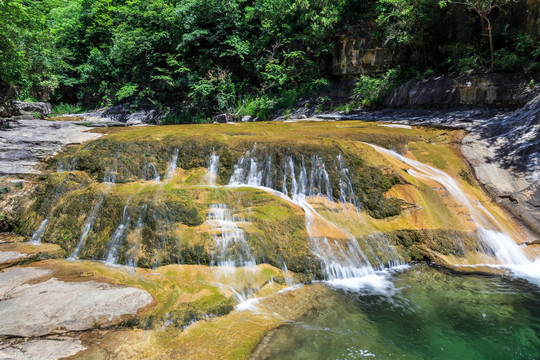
<point>426,313</point>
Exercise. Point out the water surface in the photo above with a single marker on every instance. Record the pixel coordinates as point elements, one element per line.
<point>426,313</point>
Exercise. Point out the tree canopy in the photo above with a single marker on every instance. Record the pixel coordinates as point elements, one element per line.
<point>210,56</point>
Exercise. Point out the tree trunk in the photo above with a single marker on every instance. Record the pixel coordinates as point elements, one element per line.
<point>490,42</point>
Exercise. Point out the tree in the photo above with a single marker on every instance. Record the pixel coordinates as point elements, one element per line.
<point>483,8</point>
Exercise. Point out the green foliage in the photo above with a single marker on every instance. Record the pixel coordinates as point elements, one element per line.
<point>259,107</point>
<point>461,57</point>
<point>370,91</point>
<point>208,56</point>
<point>63,108</point>
<point>27,56</point>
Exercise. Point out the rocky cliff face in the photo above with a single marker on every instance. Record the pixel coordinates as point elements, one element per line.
<point>454,90</point>
<point>356,55</point>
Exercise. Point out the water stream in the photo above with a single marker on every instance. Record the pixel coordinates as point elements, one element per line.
<point>171,167</point>
<point>343,262</point>
<point>494,239</point>
<point>36,237</point>
<point>117,238</point>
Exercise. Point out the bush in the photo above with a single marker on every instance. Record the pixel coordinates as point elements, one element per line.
<point>261,107</point>
<point>63,108</point>
<point>370,91</point>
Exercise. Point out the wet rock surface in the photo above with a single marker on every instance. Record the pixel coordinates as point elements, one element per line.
<point>503,147</point>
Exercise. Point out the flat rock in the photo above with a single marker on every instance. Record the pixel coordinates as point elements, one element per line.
<point>29,141</point>
<point>63,306</point>
<point>40,349</point>
<point>11,256</point>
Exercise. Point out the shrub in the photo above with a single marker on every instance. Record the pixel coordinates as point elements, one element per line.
<point>370,91</point>
<point>64,108</point>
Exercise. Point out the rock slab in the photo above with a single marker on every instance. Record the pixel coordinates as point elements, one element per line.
<point>30,309</point>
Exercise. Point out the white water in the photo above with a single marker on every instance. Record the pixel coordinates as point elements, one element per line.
<point>232,248</point>
<point>171,168</point>
<point>154,175</point>
<point>236,267</point>
<point>130,256</point>
<point>117,238</point>
<point>110,176</point>
<point>341,261</point>
<point>86,230</point>
<point>211,176</point>
<point>492,235</point>
<point>36,237</point>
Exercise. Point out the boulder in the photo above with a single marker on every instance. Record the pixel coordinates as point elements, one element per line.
<point>247,118</point>
<point>223,118</point>
<point>22,108</point>
<point>116,113</point>
<point>143,117</point>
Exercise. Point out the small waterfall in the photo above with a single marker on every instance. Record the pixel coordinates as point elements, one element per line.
<point>343,262</point>
<point>490,232</point>
<point>36,237</point>
<point>171,168</point>
<point>236,267</point>
<point>65,165</point>
<point>86,230</point>
<point>345,186</point>
<point>211,176</point>
<point>117,238</point>
<point>232,249</point>
<point>252,169</point>
<point>110,176</point>
<point>319,181</point>
<point>130,256</point>
<point>151,172</point>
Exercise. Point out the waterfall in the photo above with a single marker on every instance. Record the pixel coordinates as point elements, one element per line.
<point>151,172</point>
<point>236,267</point>
<point>86,230</point>
<point>130,256</point>
<point>171,168</point>
<point>117,238</point>
<point>108,179</point>
<point>343,262</point>
<point>491,234</point>
<point>232,248</point>
<point>110,176</point>
<point>345,187</point>
<point>36,237</point>
<point>211,176</point>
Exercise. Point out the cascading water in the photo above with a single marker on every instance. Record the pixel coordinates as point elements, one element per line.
<point>343,263</point>
<point>236,267</point>
<point>86,230</point>
<point>36,237</point>
<point>117,238</point>
<point>151,172</point>
<point>108,179</point>
<point>110,176</point>
<point>492,235</point>
<point>211,176</point>
<point>131,253</point>
<point>232,248</point>
<point>171,168</point>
